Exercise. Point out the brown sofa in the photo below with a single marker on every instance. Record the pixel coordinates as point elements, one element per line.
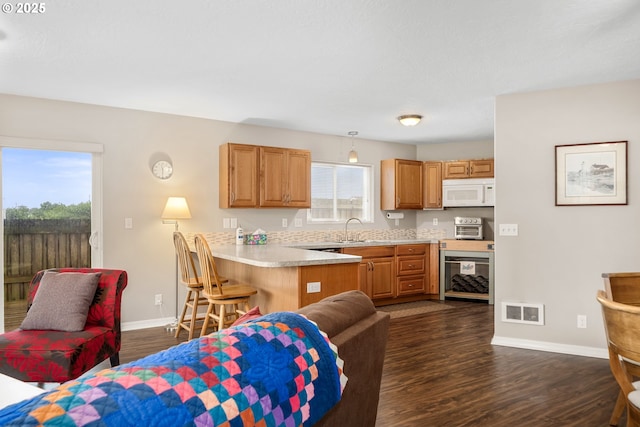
<point>360,332</point>
<point>349,319</point>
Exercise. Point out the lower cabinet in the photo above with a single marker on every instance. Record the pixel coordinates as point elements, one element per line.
<point>377,270</point>
<point>411,269</point>
<point>389,273</point>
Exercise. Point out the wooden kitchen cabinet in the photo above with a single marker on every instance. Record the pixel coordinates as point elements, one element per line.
<point>482,168</point>
<point>432,174</point>
<point>400,184</point>
<point>238,175</point>
<point>411,268</point>
<point>376,271</point>
<point>253,176</point>
<point>285,177</point>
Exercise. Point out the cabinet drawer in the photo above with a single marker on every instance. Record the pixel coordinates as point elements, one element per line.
<point>411,250</point>
<point>410,265</point>
<point>411,285</point>
<point>371,251</point>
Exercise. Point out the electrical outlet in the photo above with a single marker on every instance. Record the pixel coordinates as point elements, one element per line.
<point>226,223</point>
<point>158,299</point>
<point>435,221</point>
<point>285,223</point>
<point>313,287</point>
<point>128,223</point>
<point>582,321</point>
<point>233,222</point>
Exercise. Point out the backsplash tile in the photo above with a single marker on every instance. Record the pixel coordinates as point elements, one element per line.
<point>291,237</point>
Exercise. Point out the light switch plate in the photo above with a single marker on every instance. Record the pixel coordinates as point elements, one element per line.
<point>128,223</point>
<point>508,229</point>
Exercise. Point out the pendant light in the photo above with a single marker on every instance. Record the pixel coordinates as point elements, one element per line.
<point>353,155</point>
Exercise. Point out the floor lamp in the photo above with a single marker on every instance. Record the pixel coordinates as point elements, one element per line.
<point>175,209</point>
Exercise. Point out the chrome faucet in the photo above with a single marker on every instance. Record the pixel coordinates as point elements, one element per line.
<point>346,224</point>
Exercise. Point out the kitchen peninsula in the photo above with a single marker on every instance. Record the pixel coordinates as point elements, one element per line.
<point>286,278</point>
<point>297,274</point>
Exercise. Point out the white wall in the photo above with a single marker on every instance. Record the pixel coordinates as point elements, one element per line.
<point>560,252</point>
<point>131,138</point>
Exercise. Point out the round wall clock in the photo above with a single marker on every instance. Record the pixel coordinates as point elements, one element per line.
<point>162,169</point>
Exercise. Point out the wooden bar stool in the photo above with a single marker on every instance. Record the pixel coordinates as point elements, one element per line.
<point>235,295</point>
<point>190,315</point>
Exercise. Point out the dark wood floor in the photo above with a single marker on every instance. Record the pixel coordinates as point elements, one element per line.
<point>441,370</point>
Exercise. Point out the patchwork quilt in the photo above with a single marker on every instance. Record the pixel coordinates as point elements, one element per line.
<point>277,370</point>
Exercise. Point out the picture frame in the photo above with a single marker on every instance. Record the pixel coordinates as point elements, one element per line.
<point>591,174</point>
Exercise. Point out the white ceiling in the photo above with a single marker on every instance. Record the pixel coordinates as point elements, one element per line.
<point>327,66</point>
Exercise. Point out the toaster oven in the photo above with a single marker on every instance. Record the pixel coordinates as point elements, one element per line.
<point>466,228</point>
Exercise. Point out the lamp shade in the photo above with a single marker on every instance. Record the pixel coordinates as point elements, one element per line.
<point>410,119</point>
<point>176,208</point>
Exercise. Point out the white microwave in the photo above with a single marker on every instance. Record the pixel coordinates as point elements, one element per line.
<point>468,192</point>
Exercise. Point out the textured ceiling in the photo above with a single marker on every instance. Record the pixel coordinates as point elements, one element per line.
<point>327,66</point>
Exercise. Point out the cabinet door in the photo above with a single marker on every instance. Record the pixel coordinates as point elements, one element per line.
<point>238,175</point>
<point>408,186</point>
<point>298,179</point>
<point>432,185</point>
<point>455,170</point>
<point>285,177</point>
<point>382,275</point>
<point>273,176</point>
<point>364,284</point>
<point>400,184</point>
<point>481,168</point>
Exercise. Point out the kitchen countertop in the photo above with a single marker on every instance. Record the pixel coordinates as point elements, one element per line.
<point>298,254</point>
<point>271,255</point>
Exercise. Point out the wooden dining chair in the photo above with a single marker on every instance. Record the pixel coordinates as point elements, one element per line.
<point>622,323</point>
<point>236,296</point>
<point>189,278</point>
<point>623,288</point>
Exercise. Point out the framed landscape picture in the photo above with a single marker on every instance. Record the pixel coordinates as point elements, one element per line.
<point>591,174</point>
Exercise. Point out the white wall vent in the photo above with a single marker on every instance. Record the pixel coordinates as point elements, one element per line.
<point>520,312</point>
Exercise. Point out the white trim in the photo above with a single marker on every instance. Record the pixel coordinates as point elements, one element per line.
<point>144,324</point>
<point>46,144</point>
<point>576,350</point>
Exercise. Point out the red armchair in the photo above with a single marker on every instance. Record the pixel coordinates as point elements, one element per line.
<point>57,356</point>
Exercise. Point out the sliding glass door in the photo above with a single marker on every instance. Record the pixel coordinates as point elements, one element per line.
<point>51,214</point>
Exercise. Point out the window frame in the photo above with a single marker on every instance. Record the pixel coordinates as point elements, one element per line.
<point>368,193</point>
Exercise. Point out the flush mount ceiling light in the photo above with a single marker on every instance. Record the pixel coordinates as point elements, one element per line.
<point>353,155</point>
<point>410,119</point>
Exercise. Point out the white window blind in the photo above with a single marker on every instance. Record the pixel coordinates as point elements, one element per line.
<point>340,192</point>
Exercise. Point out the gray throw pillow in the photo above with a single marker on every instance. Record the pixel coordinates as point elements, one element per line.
<point>62,301</point>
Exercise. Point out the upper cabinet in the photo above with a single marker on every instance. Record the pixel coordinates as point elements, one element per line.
<point>238,176</point>
<point>400,184</point>
<point>432,173</point>
<point>468,169</point>
<point>253,176</point>
<point>285,177</point>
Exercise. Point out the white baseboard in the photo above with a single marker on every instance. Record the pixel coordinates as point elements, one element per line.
<point>576,350</point>
<point>143,324</point>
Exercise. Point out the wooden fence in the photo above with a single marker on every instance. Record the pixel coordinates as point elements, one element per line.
<point>33,245</point>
